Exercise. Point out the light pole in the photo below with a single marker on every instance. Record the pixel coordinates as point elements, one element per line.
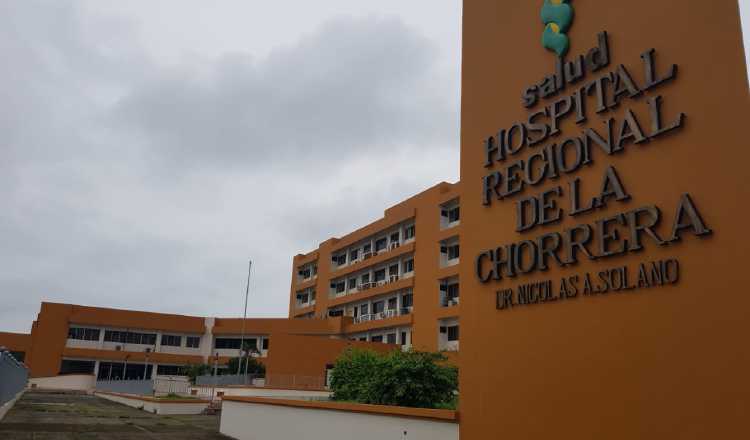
<point>244,318</point>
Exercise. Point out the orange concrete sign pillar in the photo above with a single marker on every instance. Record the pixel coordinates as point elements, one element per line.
<point>604,171</point>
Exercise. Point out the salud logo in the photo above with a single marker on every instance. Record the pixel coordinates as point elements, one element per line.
<point>557,16</point>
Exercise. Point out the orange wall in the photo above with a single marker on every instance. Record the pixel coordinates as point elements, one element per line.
<point>669,362</point>
<point>308,356</point>
<point>16,341</point>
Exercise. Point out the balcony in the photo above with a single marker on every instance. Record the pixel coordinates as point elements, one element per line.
<point>374,257</point>
<point>385,314</point>
<point>367,290</point>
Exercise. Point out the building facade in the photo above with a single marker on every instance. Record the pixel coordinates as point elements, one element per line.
<point>119,344</point>
<point>392,281</point>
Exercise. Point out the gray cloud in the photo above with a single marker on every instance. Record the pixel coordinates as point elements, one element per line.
<point>130,183</point>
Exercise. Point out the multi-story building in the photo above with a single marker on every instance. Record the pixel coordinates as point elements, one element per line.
<point>117,344</point>
<point>394,280</point>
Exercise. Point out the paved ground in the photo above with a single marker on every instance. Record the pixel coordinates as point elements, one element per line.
<point>67,416</point>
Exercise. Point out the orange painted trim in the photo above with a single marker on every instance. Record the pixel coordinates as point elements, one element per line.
<point>132,356</point>
<point>449,312</point>
<point>378,259</point>
<point>382,290</point>
<point>302,259</point>
<point>312,282</point>
<point>275,388</point>
<point>447,233</point>
<point>152,399</point>
<point>448,271</point>
<point>304,310</point>
<point>395,411</point>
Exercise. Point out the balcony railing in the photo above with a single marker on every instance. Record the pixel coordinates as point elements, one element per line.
<point>450,302</point>
<point>302,305</point>
<point>385,314</point>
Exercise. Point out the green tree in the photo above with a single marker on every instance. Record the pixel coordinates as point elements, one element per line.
<point>195,370</point>
<point>413,378</point>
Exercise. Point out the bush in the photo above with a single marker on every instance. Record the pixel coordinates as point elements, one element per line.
<point>195,370</point>
<point>414,379</point>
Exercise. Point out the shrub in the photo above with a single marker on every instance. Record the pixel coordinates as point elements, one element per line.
<point>413,378</point>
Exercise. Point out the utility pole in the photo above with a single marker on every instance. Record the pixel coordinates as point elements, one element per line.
<point>244,318</point>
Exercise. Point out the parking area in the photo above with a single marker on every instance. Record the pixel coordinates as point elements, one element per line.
<point>77,416</point>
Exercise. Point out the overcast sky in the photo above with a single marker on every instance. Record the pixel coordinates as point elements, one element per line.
<point>148,149</point>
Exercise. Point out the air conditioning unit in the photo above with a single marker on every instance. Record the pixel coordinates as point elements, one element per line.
<point>393,278</point>
<point>367,255</point>
<point>381,283</point>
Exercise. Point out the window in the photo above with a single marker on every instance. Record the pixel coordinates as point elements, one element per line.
<point>403,338</point>
<point>364,309</point>
<point>379,275</point>
<point>265,344</point>
<point>452,291</point>
<point>363,339</point>
<point>304,273</point>
<point>193,342</point>
<point>353,254</point>
<point>395,237</point>
<point>453,333</point>
<point>378,338</point>
<point>171,340</point>
<point>452,214</point>
<point>77,367</point>
<point>451,250</point>
<point>367,248</point>
<point>409,266</point>
<point>130,337</point>
<point>168,370</point>
<point>365,278</point>
<point>352,283</point>
<point>391,338</point>
<point>339,259</point>
<point>339,287</point>
<point>381,244</point>
<point>392,303</point>
<point>84,334</point>
<point>378,306</point>
<point>409,232</point>
<point>393,270</point>
<point>334,313</point>
<point>407,300</point>
<point>227,343</point>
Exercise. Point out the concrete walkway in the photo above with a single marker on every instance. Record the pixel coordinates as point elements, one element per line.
<point>74,416</point>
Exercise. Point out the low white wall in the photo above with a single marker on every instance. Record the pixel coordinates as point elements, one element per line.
<point>161,408</point>
<point>257,421</point>
<point>272,392</point>
<point>82,382</point>
<point>9,404</point>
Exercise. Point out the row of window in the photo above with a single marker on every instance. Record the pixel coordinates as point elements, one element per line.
<point>127,337</point>
<point>392,337</point>
<point>307,271</point>
<point>372,247</point>
<point>235,343</point>
<point>391,273</point>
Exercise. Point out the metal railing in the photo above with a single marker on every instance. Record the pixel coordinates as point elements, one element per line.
<point>294,381</point>
<point>13,377</point>
<point>227,379</point>
<point>141,387</point>
<point>385,314</point>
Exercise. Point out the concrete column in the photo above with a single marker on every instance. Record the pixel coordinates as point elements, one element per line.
<point>96,369</point>
<point>153,370</point>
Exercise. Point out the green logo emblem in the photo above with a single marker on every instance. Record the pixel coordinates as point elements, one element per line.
<point>557,16</point>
